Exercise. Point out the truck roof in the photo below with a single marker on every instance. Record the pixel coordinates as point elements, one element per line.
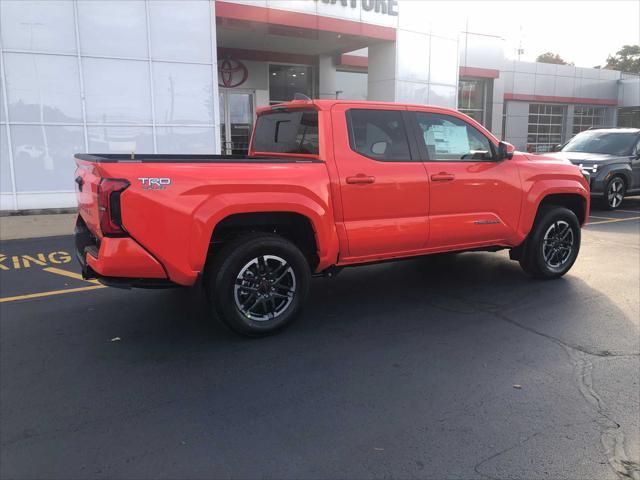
<point>325,104</point>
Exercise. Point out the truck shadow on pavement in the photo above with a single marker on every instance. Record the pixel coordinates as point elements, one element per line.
<point>413,296</point>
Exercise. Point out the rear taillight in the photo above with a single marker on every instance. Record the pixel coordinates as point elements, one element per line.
<point>109,192</point>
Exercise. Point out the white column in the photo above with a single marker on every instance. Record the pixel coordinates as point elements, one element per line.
<point>214,67</point>
<point>327,85</point>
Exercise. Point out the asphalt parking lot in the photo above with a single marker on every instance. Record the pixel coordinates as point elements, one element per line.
<point>455,366</point>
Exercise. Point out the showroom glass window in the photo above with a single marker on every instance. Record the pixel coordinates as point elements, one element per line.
<point>449,139</point>
<point>585,117</point>
<point>545,127</point>
<point>287,80</point>
<point>471,98</point>
<point>378,134</point>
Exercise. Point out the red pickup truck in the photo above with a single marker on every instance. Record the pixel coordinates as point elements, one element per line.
<point>326,184</point>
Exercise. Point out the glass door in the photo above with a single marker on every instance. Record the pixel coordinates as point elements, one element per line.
<point>236,121</point>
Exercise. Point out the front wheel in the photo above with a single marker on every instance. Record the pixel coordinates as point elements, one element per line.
<point>614,193</point>
<point>553,244</point>
<point>258,283</point>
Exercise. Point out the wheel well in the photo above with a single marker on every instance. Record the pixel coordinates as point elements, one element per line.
<point>575,203</point>
<point>294,227</point>
<point>623,176</point>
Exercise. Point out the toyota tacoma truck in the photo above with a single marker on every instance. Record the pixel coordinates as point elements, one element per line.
<point>325,185</point>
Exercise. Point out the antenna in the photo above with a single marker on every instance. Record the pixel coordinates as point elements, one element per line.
<point>301,96</point>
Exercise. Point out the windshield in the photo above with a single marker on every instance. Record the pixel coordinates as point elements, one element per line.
<point>612,143</point>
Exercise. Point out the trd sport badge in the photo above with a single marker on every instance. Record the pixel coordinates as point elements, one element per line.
<point>154,183</point>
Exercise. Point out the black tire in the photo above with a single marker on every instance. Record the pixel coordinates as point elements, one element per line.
<point>257,284</point>
<point>555,256</point>
<point>614,192</point>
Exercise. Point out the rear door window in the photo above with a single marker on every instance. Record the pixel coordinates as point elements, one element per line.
<point>379,134</point>
<point>292,131</point>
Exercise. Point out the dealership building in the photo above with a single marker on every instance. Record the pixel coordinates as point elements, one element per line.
<point>186,76</point>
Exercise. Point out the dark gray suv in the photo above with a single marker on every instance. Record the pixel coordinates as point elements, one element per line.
<point>611,157</point>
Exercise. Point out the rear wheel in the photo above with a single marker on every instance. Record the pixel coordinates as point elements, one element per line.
<point>553,244</point>
<point>614,193</point>
<point>258,283</point>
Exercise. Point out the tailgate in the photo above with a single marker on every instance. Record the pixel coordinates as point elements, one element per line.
<point>87,180</point>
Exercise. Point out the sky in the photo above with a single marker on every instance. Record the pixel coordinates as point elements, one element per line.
<point>581,31</point>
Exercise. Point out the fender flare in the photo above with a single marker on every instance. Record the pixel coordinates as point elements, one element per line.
<point>214,210</point>
<point>622,169</point>
<point>542,189</point>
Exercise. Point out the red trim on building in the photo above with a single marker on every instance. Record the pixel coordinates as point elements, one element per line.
<point>302,20</point>
<point>263,56</point>
<point>354,61</point>
<point>553,99</point>
<point>479,72</point>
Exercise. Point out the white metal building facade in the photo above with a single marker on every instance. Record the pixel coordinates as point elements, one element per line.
<point>185,76</point>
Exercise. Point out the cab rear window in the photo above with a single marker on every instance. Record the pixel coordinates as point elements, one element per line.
<point>291,131</point>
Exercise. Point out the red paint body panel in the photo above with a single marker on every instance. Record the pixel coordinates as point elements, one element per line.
<point>407,210</point>
<point>123,257</point>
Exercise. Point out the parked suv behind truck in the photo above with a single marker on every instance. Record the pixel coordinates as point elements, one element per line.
<point>326,184</point>
<point>611,159</point>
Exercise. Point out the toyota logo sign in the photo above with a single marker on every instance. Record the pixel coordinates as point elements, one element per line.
<point>231,73</point>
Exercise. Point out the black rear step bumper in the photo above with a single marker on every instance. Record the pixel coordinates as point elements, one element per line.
<point>86,243</point>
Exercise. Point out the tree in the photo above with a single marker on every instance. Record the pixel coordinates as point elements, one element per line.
<point>627,59</point>
<point>550,57</point>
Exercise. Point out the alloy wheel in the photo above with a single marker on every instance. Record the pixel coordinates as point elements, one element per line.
<point>557,244</point>
<point>615,193</point>
<point>265,288</point>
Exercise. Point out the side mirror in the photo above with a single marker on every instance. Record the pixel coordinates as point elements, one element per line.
<point>505,151</point>
<point>556,148</point>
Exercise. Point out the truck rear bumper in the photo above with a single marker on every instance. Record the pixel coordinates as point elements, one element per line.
<point>117,262</point>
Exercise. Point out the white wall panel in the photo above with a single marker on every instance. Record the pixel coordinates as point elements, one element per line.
<point>413,56</point>
<point>3,118</point>
<point>412,92</point>
<point>113,28</point>
<point>39,25</point>
<point>443,96</point>
<point>38,200</point>
<point>183,93</point>
<point>185,139</point>
<point>121,139</point>
<point>545,85</point>
<point>5,167</point>
<point>565,87</point>
<point>181,30</point>
<point>117,91</point>
<point>43,156</point>
<point>443,61</point>
<point>43,88</point>
<point>524,83</point>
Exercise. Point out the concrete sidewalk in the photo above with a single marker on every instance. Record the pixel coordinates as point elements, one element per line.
<point>32,226</point>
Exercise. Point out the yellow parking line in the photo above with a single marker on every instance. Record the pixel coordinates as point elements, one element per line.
<point>47,294</point>
<point>614,220</point>
<point>67,273</point>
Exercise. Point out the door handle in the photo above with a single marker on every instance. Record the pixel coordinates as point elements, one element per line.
<point>361,179</point>
<point>442,177</point>
<point>80,182</point>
